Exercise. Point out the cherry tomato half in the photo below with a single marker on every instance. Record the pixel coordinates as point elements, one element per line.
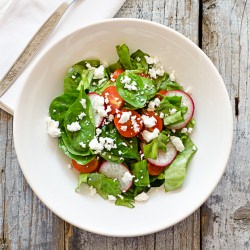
<point>154,170</point>
<point>90,167</point>
<point>116,74</point>
<point>114,99</point>
<point>132,126</point>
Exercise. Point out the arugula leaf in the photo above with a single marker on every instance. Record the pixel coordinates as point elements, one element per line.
<point>124,56</point>
<point>136,98</point>
<point>176,172</point>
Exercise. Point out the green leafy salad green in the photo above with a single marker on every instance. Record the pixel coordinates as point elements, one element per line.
<point>125,126</point>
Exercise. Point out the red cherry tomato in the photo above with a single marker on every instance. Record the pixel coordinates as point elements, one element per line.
<point>116,74</point>
<point>92,166</point>
<point>114,99</point>
<point>132,126</point>
<point>158,124</point>
<point>154,170</point>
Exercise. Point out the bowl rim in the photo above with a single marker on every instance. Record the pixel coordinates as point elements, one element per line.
<point>152,24</point>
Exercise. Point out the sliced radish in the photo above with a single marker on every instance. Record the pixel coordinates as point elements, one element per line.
<point>117,171</point>
<point>97,102</point>
<point>164,159</point>
<point>185,101</point>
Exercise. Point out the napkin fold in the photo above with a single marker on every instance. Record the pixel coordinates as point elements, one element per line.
<point>19,21</point>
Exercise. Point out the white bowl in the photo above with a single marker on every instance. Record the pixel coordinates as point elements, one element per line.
<point>45,166</point>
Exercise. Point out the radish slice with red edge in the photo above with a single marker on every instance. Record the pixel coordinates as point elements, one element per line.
<point>95,99</point>
<point>117,171</point>
<point>164,159</point>
<point>185,101</point>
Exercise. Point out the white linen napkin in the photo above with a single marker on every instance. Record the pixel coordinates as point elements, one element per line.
<point>19,21</point>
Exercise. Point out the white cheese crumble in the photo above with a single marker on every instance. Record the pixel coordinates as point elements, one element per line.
<point>111,197</point>
<point>99,72</point>
<point>73,127</point>
<point>172,76</point>
<point>151,60</point>
<point>83,102</point>
<point>81,115</point>
<point>96,146</point>
<point>92,191</point>
<point>162,115</point>
<point>131,86</point>
<point>172,111</point>
<point>149,136</point>
<point>125,80</point>
<point>190,130</point>
<point>97,103</point>
<point>177,143</point>
<point>184,130</point>
<point>142,197</point>
<point>135,124</point>
<point>83,145</point>
<point>69,166</point>
<point>125,117</point>
<point>124,128</point>
<point>53,127</point>
<point>155,103</point>
<point>98,131</point>
<point>194,148</point>
<point>149,121</point>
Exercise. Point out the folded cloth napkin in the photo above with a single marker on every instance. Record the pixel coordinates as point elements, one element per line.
<point>19,21</point>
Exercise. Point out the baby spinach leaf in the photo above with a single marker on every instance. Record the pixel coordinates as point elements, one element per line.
<point>136,98</point>
<point>173,119</point>
<point>78,158</point>
<point>139,60</point>
<point>167,84</point>
<point>87,131</point>
<point>149,87</point>
<point>61,104</point>
<point>176,172</point>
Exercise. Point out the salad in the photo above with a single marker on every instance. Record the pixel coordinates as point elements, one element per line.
<point>126,126</point>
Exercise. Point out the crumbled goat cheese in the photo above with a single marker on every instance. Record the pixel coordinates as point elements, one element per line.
<point>194,148</point>
<point>73,127</point>
<point>155,103</point>
<point>190,130</point>
<point>53,127</point>
<point>124,128</point>
<point>124,144</point>
<point>119,152</point>
<point>92,191</point>
<point>125,80</point>
<point>83,102</point>
<point>111,197</point>
<point>111,117</point>
<point>151,60</point>
<point>149,136</point>
<point>98,105</point>
<point>149,121</point>
<point>141,197</point>
<point>162,115</point>
<point>184,130</point>
<point>82,144</point>
<point>172,111</point>
<point>135,124</point>
<point>96,146</point>
<point>138,59</point>
<point>99,72</point>
<point>177,143</point>
<point>81,115</point>
<point>120,196</point>
<point>131,86</point>
<point>125,117</point>
<point>107,143</point>
<point>172,76</point>
<point>69,166</point>
<point>98,131</point>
